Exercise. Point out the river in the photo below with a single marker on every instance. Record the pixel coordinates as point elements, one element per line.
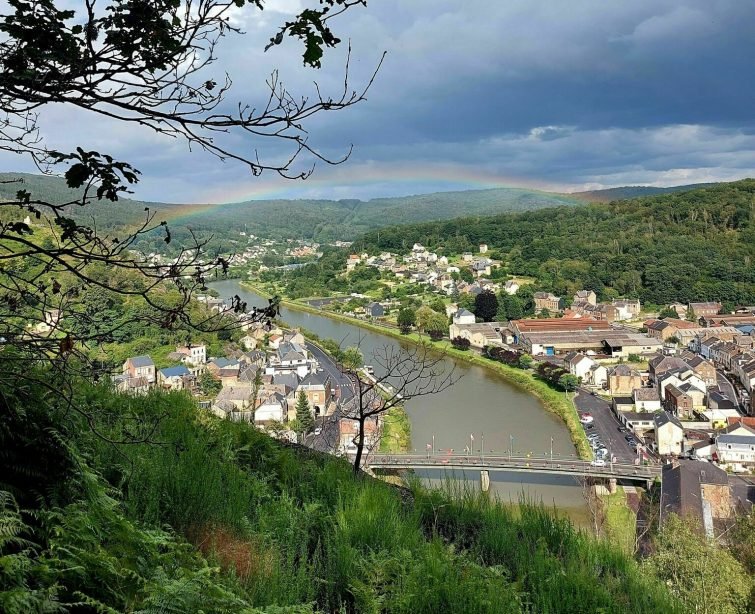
<point>481,404</point>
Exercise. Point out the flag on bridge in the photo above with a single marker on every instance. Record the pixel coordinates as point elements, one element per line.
<point>429,446</point>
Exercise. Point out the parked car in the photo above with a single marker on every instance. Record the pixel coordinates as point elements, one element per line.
<point>318,430</point>
<point>589,426</point>
<point>629,437</point>
<point>598,462</point>
<point>586,418</point>
<point>623,429</point>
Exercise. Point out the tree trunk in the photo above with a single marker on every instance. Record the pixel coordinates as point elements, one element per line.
<point>360,446</point>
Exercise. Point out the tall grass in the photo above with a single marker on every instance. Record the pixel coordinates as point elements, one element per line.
<point>320,535</point>
<point>292,528</point>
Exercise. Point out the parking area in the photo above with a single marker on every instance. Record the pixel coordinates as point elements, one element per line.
<point>605,425</point>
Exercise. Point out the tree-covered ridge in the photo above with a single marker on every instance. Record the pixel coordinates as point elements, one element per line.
<point>320,220</point>
<point>697,245</point>
<point>121,214</point>
<point>634,191</point>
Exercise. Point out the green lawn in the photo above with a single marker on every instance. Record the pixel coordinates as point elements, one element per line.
<point>621,521</point>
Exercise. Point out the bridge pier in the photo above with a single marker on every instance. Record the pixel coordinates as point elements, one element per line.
<point>484,481</point>
<point>612,486</point>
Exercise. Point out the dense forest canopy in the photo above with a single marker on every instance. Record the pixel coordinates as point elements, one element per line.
<point>687,246</point>
<point>320,220</point>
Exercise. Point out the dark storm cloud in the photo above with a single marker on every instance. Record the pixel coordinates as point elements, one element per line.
<point>584,92</point>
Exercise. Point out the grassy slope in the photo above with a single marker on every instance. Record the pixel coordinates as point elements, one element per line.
<point>621,521</point>
<point>282,526</point>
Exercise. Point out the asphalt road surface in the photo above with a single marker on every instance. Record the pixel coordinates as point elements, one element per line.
<point>329,436</point>
<point>726,388</point>
<point>606,425</point>
<point>340,382</point>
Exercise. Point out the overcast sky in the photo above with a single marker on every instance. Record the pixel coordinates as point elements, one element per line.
<point>556,94</point>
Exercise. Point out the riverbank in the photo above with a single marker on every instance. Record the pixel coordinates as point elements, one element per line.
<point>396,436</point>
<point>620,521</point>
<point>553,400</point>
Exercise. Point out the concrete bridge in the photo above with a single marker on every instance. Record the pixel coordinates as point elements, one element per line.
<point>523,464</point>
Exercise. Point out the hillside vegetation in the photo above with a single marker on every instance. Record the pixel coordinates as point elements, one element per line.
<point>200,514</point>
<point>320,220</point>
<point>686,246</point>
<point>634,191</point>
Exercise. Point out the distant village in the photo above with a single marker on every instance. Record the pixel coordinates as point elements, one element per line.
<point>680,386</point>
<point>260,383</point>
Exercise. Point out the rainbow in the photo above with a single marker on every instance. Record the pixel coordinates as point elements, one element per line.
<point>341,182</point>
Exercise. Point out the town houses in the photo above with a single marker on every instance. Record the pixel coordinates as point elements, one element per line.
<point>260,386</point>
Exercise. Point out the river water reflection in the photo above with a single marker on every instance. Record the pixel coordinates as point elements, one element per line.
<point>481,404</point>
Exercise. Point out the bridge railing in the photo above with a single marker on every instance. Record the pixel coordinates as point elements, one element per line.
<point>517,462</point>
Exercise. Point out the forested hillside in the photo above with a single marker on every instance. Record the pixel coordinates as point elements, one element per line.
<point>124,213</point>
<point>321,220</point>
<point>685,246</point>
<point>634,191</point>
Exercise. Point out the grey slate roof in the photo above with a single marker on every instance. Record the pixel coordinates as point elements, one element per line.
<point>289,380</point>
<point>224,363</point>
<point>680,486</point>
<point>623,369</point>
<point>315,379</point>
<point>175,371</point>
<point>142,361</point>
<point>746,440</point>
<point>662,418</point>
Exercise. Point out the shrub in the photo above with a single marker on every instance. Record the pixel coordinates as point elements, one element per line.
<point>460,343</point>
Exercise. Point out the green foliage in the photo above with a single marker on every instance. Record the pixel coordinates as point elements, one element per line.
<point>437,326</point>
<point>208,384</point>
<point>486,306</point>
<point>352,358</point>
<point>568,382</point>
<point>304,414</point>
<point>438,305</point>
<point>704,576</point>
<point>685,246</point>
<point>667,312</point>
<point>406,319</point>
<point>212,515</point>
<point>424,315</point>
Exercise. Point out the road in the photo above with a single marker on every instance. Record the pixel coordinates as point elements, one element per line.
<point>341,383</point>
<point>329,437</point>
<point>726,388</point>
<point>606,425</point>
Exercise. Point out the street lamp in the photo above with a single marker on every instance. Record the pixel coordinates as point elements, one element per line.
<point>482,446</point>
<point>511,445</point>
<point>551,450</point>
